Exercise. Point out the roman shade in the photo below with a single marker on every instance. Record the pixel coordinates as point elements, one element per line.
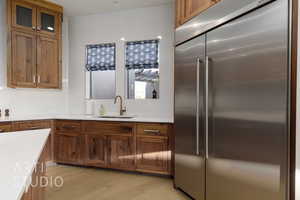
<point>101,57</point>
<point>142,54</point>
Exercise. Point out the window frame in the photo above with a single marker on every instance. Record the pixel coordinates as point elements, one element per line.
<point>88,74</point>
<point>126,91</point>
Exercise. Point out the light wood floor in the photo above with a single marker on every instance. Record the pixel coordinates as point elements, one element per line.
<point>97,184</point>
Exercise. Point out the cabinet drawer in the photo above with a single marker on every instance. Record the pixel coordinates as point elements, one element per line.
<point>5,127</point>
<point>153,129</point>
<point>31,125</point>
<point>68,126</point>
<point>108,128</point>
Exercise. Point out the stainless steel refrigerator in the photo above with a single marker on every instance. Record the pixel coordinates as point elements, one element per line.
<point>232,102</point>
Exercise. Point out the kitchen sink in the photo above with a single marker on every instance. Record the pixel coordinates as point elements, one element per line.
<point>116,117</point>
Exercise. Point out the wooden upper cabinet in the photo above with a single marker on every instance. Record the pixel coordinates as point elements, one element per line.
<point>181,12</point>
<point>47,63</point>
<point>34,48</point>
<point>195,7</point>
<point>187,9</point>
<point>23,68</point>
<point>24,15</point>
<point>47,22</point>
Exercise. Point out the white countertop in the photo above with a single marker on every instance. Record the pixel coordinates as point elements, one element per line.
<point>87,117</point>
<point>19,153</point>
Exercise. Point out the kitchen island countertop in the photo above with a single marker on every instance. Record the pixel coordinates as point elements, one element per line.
<point>19,153</point>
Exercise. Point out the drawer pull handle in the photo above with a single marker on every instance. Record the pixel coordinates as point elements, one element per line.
<point>69,127</point>
<point>152,131</point>
<point>35,127</point>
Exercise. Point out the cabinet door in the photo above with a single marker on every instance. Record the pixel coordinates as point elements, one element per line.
<point>38,188</point>
<point>48,22</point>
<point>23,66</point>
<point>181,11</point>
<point>23,16</point>
<point>95,150</point>
<point>121,152</point>
<point>47,63</point>
<point>68,148</point>
<point>153,155</point>
<point>5,127</point>
<point>187,9</point>
<point>49,149</point>
<point>27,194</point>
<point>194,7</point>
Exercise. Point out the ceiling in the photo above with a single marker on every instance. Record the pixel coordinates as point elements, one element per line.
<point>88,7</point>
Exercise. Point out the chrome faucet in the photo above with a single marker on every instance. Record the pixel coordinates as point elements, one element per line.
<point>122,110</point>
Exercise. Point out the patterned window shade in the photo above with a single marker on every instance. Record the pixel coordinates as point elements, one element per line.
<point>142,54</point>
<point>101,57</point>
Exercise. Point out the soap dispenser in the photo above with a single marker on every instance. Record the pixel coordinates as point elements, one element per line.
<point>102,110</point>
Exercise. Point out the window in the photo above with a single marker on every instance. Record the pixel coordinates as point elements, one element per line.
<point>100,67</point>
<point>142,64</point>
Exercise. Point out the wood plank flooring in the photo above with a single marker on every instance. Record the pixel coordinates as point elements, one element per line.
<point>98,184</point>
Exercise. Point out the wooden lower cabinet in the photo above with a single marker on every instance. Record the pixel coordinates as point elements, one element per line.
<point>27,195</point>
<point>143,147</point>
<point>31,125</point>
<point>34,125</point>
<point>95,150</point>
<point>5,127</point>
<point>68,148</point>
<point>121,152</point>
<point>36,191</point>
<point>153,155</point>
<point>38,187</point>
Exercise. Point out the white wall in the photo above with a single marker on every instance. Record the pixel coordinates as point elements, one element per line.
<point>137,24</point>
<point>31,101</point>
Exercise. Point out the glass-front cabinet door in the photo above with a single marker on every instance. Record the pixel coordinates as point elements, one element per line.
<point>47,22</point>
<point>24,16</point>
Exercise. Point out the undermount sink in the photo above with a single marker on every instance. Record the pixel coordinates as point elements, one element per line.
<point>116,116</point>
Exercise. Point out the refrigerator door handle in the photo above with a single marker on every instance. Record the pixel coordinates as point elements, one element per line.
<point>206,106</point>
<point>198,107</point>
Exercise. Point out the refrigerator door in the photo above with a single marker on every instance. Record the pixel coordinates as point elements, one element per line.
<point>189,118</point>
<point>248,106</point>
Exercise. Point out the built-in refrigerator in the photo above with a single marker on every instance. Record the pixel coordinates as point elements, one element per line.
<point>231,102</point>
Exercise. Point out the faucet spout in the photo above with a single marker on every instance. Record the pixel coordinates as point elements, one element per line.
<point>122,110</point>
